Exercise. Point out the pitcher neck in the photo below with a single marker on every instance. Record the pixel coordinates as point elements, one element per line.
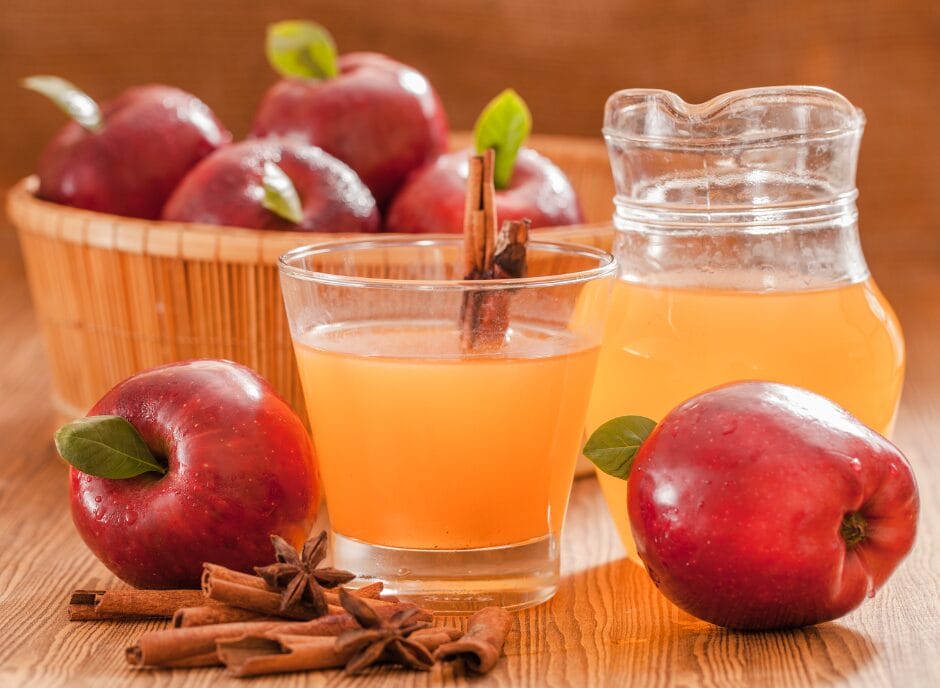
<point>754,189</point>
<point>788,247</point>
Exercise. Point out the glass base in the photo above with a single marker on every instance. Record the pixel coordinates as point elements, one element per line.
<point>457,581</point>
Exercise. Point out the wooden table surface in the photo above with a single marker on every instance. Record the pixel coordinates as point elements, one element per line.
<point>607,625</point>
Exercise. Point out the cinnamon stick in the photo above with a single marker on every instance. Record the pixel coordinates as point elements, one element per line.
<point>258,655</point>
<point>206,660</point>
<point>275,652</point>
<point>216,613</point>
<point>488,254</point>
<point>129,604</point>
<point>169,647</point>
<point>481,646</point>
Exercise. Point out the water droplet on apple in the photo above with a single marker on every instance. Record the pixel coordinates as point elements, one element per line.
<point>98,499</point>
<point>856,465</point>
<point>729,426</point>
<point>130,517</point>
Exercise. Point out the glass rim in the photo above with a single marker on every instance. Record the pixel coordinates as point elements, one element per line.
<point>607,265</point>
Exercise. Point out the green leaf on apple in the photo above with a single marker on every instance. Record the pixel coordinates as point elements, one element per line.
<point>504,125</point>
<point>68,97</point>
<point>613,446</point>
<point>303,49</point>
<point>280,194</point>
<point>106,446</point>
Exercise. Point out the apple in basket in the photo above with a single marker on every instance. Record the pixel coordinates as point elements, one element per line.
<point>762,506</point>
<point>126,156</point>
<point>528,185</point>
<point>186,463</point>
<point>379,116</point>
<point>274,184</point>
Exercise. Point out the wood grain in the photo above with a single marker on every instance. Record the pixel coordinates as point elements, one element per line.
<point>608,626</point>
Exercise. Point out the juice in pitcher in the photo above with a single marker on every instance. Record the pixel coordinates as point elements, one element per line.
<point>843,342</point>
<point>739,259</point>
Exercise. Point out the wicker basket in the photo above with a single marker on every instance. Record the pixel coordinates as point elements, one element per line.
<point>115,295</point>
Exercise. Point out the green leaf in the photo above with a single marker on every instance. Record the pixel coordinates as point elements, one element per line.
<point>302,49</point>
<point>106,446</point>
<point>280,194</point>
<point>614,444</point>
<point>68,97</point>
<point>504,125</point>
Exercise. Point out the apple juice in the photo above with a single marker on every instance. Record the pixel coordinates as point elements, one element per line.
<point>664,345</point>
<point>423,447</point>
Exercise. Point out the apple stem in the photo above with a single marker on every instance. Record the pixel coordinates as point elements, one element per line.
<point>280,194</point>
<point>69,98</point>
<point>854,529</point>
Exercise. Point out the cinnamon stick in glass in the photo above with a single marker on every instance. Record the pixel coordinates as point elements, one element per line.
<point>479,649</point>
<point>130,604</point>
<point>488,254</point>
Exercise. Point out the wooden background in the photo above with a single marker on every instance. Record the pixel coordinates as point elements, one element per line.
<point>564,56</point>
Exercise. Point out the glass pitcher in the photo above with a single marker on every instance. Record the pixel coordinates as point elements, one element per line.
<point>739,255</point>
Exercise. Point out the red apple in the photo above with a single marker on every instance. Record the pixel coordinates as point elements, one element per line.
<point>433,198</point>
<point>763,506</point>
<point>379,116</point>
<point>238,466</point>
<point>274,184</point>
<point>128,156</point>
<point>528,185</point>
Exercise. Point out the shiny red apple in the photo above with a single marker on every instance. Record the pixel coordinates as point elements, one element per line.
<point>763,506</point>
<point>127,156</point>
<point>238,466</point>
<point>433,198</point>
<point>274,184</point>
<point>379,116</point>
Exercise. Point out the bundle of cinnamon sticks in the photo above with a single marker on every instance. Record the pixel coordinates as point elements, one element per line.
<point>240,621</point>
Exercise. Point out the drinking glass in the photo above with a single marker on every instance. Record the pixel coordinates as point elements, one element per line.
<point>446,472</point>
<point>739,258</point>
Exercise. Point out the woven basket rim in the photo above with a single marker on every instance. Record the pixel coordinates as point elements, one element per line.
<point>181,239</point>
<point>200,241</point>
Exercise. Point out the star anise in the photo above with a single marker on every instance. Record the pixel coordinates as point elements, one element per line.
<point>299,577</point>
<point>381,640</point>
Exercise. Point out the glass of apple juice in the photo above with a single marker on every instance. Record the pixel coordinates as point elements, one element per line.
<point>446,469</point>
